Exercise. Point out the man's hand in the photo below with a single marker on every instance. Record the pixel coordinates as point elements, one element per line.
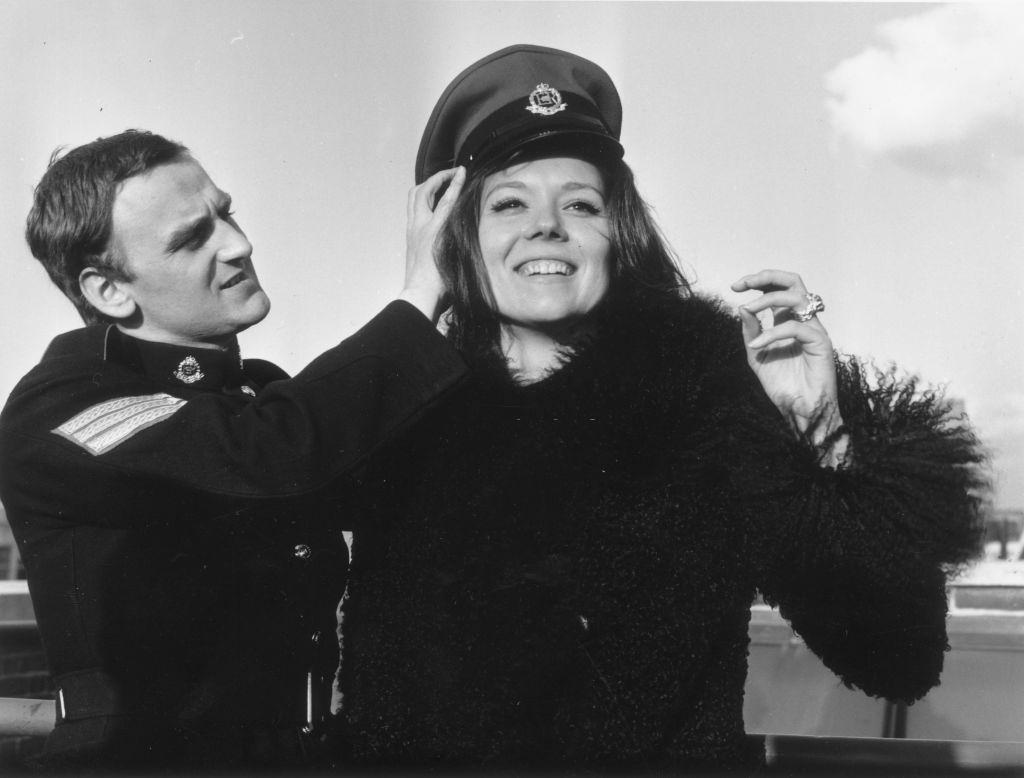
<point>424,287</point>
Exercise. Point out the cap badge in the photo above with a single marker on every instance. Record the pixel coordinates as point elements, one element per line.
<point>188,371</point>
<point>546,101</point>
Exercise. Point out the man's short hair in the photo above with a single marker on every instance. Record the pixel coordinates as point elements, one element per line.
<point>69,226</point>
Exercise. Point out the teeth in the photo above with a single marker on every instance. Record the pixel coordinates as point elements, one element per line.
<point>546,267</point>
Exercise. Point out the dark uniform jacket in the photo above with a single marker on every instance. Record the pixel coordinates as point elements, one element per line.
<point>566,570</point>
<point>179,514</point>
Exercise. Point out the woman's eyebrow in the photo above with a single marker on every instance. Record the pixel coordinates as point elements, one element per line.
<point>502,185</point>
<point>568,186</point>
<point>573,186</point>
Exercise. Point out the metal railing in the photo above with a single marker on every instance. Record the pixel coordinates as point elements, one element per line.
<point>823,755</point>
<point>986,620</point>
<point>811,755</point>
<point>26,718</point>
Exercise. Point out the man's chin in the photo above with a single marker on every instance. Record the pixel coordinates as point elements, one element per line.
<point>256,315</point>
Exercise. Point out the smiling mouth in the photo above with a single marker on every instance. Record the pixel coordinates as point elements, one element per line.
<point>546,267</point>
<point>234,280</point>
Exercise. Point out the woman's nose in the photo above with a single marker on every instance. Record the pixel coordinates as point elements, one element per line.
<point>547,223</point>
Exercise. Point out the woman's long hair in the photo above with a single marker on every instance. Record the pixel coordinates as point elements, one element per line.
<point>641,261</point>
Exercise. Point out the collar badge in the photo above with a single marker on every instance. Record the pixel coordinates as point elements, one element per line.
<point>546,101</point>
<point>249,390</point>
<point>188,371</point>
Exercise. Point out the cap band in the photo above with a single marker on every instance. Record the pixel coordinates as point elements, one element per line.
<point>514,124</point>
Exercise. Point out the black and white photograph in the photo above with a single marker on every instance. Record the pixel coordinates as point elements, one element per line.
<point>511,387</point>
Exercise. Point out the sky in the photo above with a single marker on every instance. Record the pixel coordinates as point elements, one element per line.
<point>876,149</point>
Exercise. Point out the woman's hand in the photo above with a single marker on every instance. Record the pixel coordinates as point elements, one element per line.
<point>793,359</point>
<point>424,287</point>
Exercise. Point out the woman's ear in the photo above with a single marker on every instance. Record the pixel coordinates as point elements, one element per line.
<point>109,297</point>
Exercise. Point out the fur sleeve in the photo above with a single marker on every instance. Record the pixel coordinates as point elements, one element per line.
<point>857,557</point>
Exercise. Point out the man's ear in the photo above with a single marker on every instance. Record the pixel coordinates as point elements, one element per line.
<point>109,297</point>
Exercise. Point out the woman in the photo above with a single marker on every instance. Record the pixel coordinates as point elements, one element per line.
<point>575,540</point>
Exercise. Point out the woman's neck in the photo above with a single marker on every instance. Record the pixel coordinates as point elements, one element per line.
<point>533,354</point>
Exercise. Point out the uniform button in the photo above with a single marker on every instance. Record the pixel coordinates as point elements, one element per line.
<point>302,551</point>
<point>315,638</point>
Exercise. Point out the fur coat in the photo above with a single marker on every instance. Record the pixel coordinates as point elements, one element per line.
<point>560,574</point>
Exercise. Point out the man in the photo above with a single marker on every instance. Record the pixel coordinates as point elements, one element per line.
<point>179,510</point>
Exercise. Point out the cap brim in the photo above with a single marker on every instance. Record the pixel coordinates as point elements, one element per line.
<point>574,142</point>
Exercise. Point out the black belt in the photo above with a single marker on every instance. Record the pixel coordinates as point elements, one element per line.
<point>93,693</point>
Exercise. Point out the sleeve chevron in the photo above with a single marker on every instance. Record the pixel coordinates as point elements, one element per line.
<point>102,427</point>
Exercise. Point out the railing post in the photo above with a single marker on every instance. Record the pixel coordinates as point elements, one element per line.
<point>894,723</point>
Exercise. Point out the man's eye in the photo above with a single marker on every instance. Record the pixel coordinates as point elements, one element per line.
<point>197,239</point>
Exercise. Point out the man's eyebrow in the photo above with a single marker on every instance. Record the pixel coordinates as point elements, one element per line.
<point>185,233</point>
<point>193,228</point>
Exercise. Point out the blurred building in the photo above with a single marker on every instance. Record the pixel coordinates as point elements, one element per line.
<point>10,562</point>
<point>23,672</point>
<point>1004,528</point>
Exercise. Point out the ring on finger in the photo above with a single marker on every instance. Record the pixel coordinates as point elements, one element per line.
<point>815,305</point>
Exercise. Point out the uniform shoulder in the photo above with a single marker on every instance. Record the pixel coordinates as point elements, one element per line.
<point>69,352</point>
<point>70,356</point>
<point>83,343</point>
<point>263,371</point>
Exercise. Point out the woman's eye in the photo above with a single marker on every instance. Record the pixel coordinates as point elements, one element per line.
<point>584,206</point>
<point>506,204</point>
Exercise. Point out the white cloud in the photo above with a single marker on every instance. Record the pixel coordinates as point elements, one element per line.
<point>943,92</point>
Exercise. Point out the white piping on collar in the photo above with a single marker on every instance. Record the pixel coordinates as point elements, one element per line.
<point>106,340</point>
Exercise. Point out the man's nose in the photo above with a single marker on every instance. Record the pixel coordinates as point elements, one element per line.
<point>234,245</point>
<point>547,223</point>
